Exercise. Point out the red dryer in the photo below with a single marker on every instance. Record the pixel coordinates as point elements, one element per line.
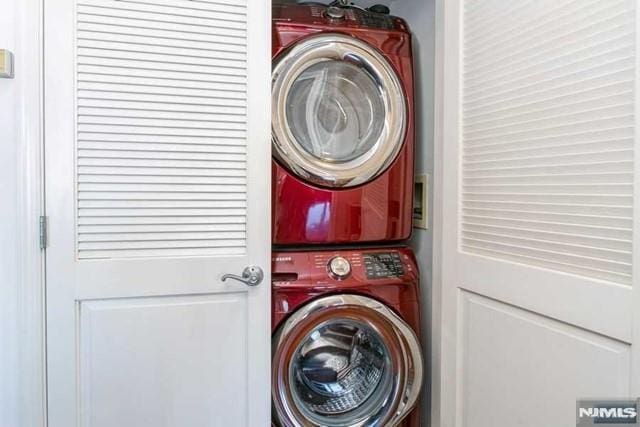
<point>342,126</point>
<point>345,338</point>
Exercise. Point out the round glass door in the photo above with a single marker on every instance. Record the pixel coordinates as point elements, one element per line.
<point>339,113</point>
<point>340,371</point>
<point>345,361</point>
<point>335,111</point>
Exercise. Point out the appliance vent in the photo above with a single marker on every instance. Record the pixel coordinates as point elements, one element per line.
<point>161,128</point>
<point>548,134</point>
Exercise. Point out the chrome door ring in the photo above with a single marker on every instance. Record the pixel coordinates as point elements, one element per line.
<point>408,356</point>
<point>379,157</point>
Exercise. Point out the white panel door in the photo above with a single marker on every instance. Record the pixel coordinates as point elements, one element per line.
<point>540,296</point>
<point>157,184</point>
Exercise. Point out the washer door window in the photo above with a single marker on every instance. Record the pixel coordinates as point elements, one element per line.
<point>345,360</point>
<point>339,112</point>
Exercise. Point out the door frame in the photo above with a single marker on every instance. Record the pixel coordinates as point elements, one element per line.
<point>32,408</point>
<point>635,260</point>
<point>438,386</point>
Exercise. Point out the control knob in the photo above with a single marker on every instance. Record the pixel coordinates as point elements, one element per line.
<point>339,267</point>
<point>334,12</point>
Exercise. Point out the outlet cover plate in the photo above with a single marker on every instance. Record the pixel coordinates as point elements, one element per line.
<point>421,202</point>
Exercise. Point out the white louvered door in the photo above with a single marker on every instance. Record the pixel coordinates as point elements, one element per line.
<point>540,299</point>
<point>157,147</point>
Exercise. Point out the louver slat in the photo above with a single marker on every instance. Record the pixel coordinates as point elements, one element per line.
<point>548,130</point>
<point>161,128</point>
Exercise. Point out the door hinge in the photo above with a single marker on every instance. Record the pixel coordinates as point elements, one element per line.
<point>43,232</point>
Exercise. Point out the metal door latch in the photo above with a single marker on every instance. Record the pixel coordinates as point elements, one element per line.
<point>251,276</point>
<point>43,232</point>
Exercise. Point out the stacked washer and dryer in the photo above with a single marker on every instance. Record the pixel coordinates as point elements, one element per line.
<point>346,306</point>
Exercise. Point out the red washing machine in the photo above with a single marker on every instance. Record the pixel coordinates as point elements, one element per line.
<point>342,126</point>
<point>345,338</point>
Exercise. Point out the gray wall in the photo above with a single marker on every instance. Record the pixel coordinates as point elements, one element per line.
<point>420,14</point>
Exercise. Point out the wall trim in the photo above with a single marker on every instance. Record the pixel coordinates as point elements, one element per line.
<point>30,204</point>
<point>437,416</point>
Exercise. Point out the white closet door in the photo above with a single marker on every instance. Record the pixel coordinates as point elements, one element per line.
<point>157,184</point>
<point>540,297</point>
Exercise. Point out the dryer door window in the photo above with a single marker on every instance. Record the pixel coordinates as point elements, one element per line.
<point>345,360</point>
<point>339,113</point>
<point>335,111</point>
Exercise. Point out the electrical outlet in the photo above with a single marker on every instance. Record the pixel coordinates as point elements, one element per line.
<point>421,202</point>
<point>6,64</point>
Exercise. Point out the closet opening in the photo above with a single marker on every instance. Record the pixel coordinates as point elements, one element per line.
<point>352,145</point>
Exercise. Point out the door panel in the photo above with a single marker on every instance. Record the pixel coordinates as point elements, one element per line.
<point>503,345</point>
<point>539,299</point>
<point>179,365</point>
<point>157,167</point>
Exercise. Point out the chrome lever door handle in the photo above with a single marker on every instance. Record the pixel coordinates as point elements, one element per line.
<point>251,276</point>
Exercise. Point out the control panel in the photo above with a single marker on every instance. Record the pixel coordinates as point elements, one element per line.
<point>340,15</point>
<point>343,267</point>
<point>383,265</point>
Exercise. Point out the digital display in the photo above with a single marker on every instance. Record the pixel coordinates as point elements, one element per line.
<point>383,265</point>
<point>376,20</point>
